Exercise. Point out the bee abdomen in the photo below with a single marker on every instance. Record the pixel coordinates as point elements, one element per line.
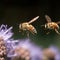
<point>32,29</point>
<point>35,31</point>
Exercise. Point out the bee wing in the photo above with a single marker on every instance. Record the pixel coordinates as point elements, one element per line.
<point>34,19</point>
<point>58,22</point>
<point>48,18</point>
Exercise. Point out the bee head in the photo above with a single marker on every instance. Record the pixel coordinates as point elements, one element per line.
<point>46,26</point>
<point>20,26</point>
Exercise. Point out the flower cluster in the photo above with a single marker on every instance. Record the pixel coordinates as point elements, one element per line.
<point>23,49</point>
<point>5,35</point>
<point>26,50</point>
<point>51,53</point>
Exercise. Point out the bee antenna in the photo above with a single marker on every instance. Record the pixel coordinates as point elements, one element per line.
<point>42,25</point>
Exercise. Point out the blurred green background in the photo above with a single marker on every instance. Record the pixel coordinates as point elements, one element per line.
<point>14,12</point>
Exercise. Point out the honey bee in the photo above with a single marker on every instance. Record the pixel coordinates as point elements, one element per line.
<point>52,25</point>
<point>27,26</point>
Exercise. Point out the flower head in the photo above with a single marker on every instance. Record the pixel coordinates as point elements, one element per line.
<point>52,52</point>
<point>26,49</point>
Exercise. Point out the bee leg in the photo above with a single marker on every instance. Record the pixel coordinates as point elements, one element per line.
<point>47,33</point>
<point>28,34</point>
<point>21,32</point>
<point>57,31</point>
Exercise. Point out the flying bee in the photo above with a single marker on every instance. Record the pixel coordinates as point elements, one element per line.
<point>26,26</point>
<point>52,25</point>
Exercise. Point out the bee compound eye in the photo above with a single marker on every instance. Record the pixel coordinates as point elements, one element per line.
<point>45,25</point>
<point>20,26</point>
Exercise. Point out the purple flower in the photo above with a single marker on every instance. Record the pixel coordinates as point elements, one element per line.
<point>5,33</point>
<point>35,51</point>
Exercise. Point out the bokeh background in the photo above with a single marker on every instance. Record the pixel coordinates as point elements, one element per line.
<point>14,12</point>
